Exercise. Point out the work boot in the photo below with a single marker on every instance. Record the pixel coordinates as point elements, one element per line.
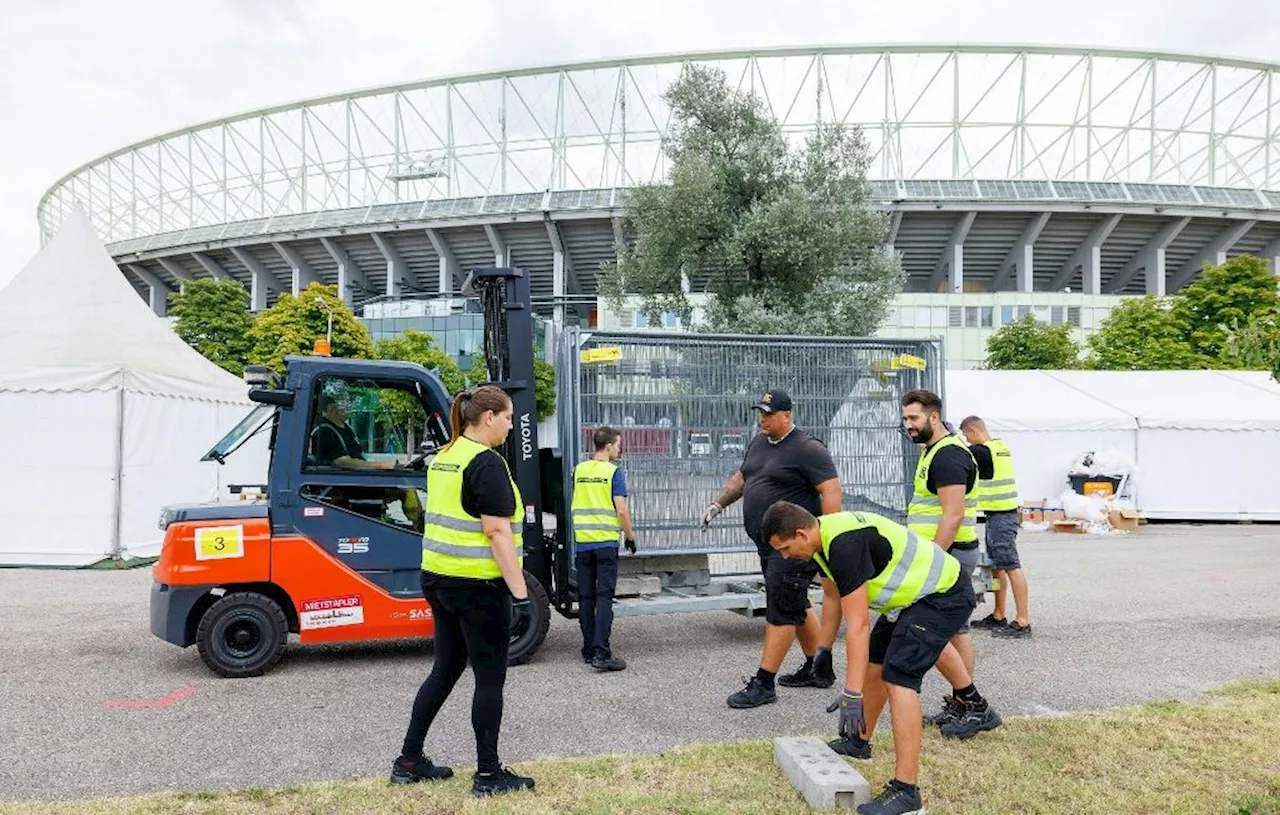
<point>754,694</point>
<point>1012,631</point>
<point>893,800</point>
<point>854,748</point>
<point>609,663</point>
<point>486,784</point>
<point>419,768</point>
<point>802,678</point>
<point>990,621</point>
<point>952,709</point>
<point>824,674</point>
<point>972,721</point>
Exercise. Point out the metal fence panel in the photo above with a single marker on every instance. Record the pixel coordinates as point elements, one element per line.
<point>683,404</point>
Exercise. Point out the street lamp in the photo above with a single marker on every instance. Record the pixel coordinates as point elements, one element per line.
<point>327,348</point>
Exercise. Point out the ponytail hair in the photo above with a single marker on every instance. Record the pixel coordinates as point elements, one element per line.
<point>469,405</point>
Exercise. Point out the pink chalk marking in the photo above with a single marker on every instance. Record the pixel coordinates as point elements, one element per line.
<point>164,701</point>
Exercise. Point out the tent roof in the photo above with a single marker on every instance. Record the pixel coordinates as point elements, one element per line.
<point>69,321</point>
<point>1010,401</point>
<point>1115,400</point>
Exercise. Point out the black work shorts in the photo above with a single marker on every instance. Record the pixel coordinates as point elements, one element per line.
<point>908,647</point>
<point>786,588</point>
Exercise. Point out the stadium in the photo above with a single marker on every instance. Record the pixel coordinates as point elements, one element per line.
<point>1019,179</point>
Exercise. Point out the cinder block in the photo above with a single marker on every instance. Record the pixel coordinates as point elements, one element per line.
<point>823,778</point>
<point>657,564</point>
<point>638,584</point>
<point>685,580</point>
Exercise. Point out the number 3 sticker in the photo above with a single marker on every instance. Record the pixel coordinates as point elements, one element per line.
<point>217,542</point>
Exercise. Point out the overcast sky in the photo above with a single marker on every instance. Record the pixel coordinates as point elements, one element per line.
<point>80,78</point>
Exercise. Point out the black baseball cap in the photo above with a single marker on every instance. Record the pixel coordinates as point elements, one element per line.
<point>773,401</point>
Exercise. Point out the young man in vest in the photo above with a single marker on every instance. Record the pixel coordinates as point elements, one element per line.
<point>998,500</point>
<point>600,519</point>
<point>944,506</point>
<point>923,596</point>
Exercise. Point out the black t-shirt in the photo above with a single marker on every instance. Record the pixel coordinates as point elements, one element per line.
<point>330,442</point>
<point>951,465</point>
<point>982,455</point>
<point>486,488</point>
<point>787,471</point>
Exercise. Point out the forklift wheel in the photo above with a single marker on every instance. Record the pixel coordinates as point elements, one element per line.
<point>243,634</point>
<point>524,643</point>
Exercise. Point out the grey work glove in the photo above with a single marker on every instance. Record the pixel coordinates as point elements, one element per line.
<point>852,723</point>
<point>713,511</point>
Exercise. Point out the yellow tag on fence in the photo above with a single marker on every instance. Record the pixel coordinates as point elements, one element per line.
<point>606,354</point>
<point>908,361</point>
<point>216,542</point>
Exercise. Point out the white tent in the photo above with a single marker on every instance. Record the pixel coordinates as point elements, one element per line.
<point>107,411</point>
<point>1198,438</point>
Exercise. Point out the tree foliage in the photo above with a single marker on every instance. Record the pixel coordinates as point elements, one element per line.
<point>419,347</point>
<point>544,383</point>
<point>782,236</point>
<point>1254,346</point>
<point>1225,299</point>
<point>213,318</point>
<point>1141,335</point>
<point>1025,345</point>
<point>293,325</point>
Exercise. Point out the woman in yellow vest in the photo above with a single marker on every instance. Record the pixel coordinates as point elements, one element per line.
<point>473,579</point>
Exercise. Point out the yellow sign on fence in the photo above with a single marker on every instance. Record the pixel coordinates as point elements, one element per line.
<point>908,361</point>
<point>606,354</point>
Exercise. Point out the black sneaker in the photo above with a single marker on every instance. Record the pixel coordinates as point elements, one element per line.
<point>412,770</point>
<point>854,748</point>
<point>486,784</point>
<point>952,709</point>
<point>754,694</point>
<point>972,722</point>
<point>608,664</point>
<point>824,673</point>
<point>893,801</point>
<point>802,678</point>
<point>1012,631</point>
<point>990,621</point>
<point>587,657</point>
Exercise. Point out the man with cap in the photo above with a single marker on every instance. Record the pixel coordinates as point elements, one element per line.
<point>784,463</point>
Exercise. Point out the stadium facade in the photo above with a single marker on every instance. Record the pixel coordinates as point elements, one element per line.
<point>1019,179</point>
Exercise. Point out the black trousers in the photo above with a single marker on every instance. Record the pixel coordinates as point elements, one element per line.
<point>597,584</point>
<point>473,625</point>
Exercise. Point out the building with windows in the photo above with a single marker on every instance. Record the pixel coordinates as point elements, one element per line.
<point>1049,179</point>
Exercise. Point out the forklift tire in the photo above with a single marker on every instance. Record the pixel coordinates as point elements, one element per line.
<point>525,643</point>
<point>242,635</point>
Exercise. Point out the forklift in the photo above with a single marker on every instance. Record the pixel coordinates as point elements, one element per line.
<point>331,550</point>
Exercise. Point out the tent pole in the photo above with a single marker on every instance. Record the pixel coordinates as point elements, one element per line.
<point>116,546</point>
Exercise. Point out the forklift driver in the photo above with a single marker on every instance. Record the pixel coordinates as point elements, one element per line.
<point>333,442</point>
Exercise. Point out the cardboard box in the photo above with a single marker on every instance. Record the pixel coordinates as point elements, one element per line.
<point>1126,520</point>
<point>1031,512</point>
<point>1069,525</point>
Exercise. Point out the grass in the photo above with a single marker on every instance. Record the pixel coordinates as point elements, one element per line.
<point>1217,756</point>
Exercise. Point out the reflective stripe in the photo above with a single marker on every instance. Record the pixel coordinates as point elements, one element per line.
<point>894,582</point>
<point>999,482</point>
<point>591,513</point>
<point>456,550</point>
<point>931,501</point>
<point>933,520</point>
<point>999,496</point>
<point>935,574</point>
<point>459,525</point>
<point>596,528</point>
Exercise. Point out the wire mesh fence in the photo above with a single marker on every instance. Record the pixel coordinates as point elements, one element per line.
<point>683,405</point>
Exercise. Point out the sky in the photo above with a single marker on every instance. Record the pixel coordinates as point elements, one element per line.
<point>79,79</point>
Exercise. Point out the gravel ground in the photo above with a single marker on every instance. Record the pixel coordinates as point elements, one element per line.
<point>1167,612</point>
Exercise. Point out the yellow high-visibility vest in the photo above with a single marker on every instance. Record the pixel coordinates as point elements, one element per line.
<point>453,541</point>
<point>917,569</point>
<point>999,493</point>
<point>924,513</point>
<point>595,519</point>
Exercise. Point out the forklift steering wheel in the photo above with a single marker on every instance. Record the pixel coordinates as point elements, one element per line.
<point>417,462</point>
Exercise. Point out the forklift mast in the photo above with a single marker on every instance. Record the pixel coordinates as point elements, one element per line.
<point>505,301</point>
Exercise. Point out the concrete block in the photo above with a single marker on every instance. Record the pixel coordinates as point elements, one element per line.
<point>823,778</point>
<point>658,564</point>
<point>685,580</point>
<point>638,584</point>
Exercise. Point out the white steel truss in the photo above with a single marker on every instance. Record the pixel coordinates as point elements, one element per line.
<point>928,112</point>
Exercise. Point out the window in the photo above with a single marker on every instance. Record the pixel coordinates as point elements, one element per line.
<point>1057,315</point>
<point>669,319</point>
<point>642,320</point>
<point>1006,315</point>
<point>1073,315</point>
<point>398,506</point>
<point>954,317</point>
<point>970,316</point>
<point>626,319</point>
<point>1023,311</point>
<point>367,425</point>
<point>988,316</point>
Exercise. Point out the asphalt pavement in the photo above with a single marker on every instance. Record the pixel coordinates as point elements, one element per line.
<point>93,705</point>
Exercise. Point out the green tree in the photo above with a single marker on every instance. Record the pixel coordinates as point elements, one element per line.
<point>1225,296</point>
<point>419,347</point>
<point>1141,335</point>
<point>293,325</point>
<point>1025,345</point>
<point>544,383</point>
<point>782,236</point>
<point>213,318</point>
<point>1254,346</point>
